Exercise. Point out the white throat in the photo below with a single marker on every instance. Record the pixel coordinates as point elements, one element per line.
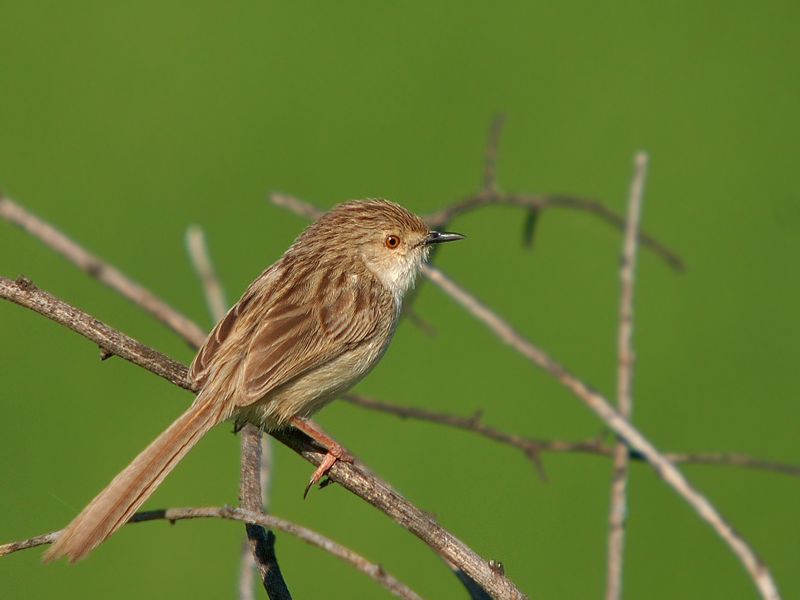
<point>400,275</point>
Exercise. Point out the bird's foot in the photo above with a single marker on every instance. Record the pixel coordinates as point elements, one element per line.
<point>335,451</point>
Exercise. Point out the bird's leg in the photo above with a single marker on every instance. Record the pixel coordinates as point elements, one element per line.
<point>335,451</point>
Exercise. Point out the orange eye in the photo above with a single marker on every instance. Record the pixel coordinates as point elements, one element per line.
<point>392,242</point>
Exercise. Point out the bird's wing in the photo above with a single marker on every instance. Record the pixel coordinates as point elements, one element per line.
<point>280,335</point>
<point>298,337</point>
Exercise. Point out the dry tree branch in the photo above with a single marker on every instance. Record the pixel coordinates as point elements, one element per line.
<point>39,540</point>
<point>535,203</point>
<point>594,400</point>
<point>260,542</point>
<point>244,589</point>
<point>111,342</point>
<point>375,571</point>
<point>197,248</point>
<point>295,205</point>
<point>529,446</point>
<point>101,270</point>
<point>735,460</point>
<point>619,484</point>
<point>367,487</point>
<point>490,194</point>
<point>533,447</point>
<point>539,202</point>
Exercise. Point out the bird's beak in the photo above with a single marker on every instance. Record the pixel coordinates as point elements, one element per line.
<point>437,237</point>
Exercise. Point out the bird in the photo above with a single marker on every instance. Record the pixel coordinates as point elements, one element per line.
<point>306,330</point>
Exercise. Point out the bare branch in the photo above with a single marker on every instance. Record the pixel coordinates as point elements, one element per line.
<point>201,261</point>
<point>420,523</point>
<point>533,447</point>
<point>735,460</point>
<point>529,446</point>
<point>101,270</point>
<point>246,567</point>
<point>365,486</point>
<point>445,215</point>
<point>295,205</point>
<point>262,543</point>
<point>172,515</point>
<point>618,505</point>
<point>595,401</point>
<point>111,342</point>
<point>39,540</point>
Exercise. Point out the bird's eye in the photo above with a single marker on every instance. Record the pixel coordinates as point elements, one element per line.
<point>392,242</point>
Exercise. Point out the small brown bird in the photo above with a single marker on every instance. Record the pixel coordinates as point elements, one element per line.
<point>305,331</point>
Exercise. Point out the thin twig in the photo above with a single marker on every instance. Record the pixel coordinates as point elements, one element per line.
<point>539,202</point>
<point>347,475</point>
<point>111,342</point>
<point>618,504</point>
<point>529,446</point>
<point>375,571</point>
<point>101,270</point>
<point>533,447</point>
<point>247,566</point>
<point>201,261</point>
<point>735,460</point>
<point>261,541</point>
<point>595,401</point>
<point>39,540</point>
<point>295,205</point>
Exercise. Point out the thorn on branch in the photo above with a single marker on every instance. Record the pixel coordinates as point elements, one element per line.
<point>476,418</point>
<point>529,228</point>
<point>532,452</point>
<point>26,284</point>
<point>497,567</point>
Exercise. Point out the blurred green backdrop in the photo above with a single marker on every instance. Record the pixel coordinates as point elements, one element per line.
<point>124,123</point>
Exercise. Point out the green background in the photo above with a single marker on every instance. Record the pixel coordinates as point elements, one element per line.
<point>124,123</point>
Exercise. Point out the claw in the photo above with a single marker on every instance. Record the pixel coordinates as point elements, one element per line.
<point>334,450</point>
<point>323,468</point>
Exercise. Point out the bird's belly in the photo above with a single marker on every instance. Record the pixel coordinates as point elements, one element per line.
<point>306,394</point>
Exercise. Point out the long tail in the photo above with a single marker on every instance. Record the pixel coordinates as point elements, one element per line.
<point>112,507</point>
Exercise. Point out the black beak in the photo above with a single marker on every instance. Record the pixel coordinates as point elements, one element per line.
<point>437,237</point>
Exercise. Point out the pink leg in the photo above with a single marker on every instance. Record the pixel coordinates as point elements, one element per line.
<point>335,450</point>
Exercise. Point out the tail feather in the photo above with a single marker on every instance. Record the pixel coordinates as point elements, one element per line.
<point>112,507</point>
